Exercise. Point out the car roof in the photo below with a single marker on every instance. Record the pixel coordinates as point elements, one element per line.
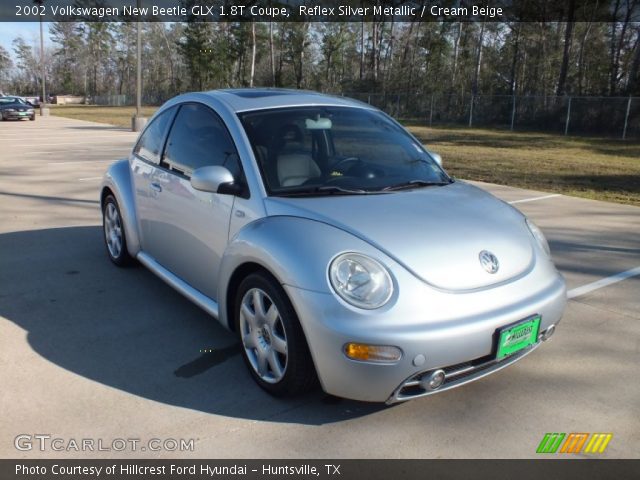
<point>246,99</point>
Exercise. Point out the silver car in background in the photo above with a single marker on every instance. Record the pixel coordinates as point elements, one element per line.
<point>332,243</point>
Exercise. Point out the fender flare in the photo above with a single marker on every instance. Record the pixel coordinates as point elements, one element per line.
<point>118,180</point>
<point>296,251</point>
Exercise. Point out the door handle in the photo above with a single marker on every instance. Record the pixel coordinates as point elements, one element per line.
<point>156,187</point>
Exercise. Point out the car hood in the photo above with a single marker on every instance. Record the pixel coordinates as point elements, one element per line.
<point>437,233</point>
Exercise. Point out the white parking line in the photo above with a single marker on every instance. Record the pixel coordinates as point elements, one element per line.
<point>36,142</point>
<point>89,179</point>
<point>71,162</point>
<point>124,150</point>
<point>533,199</point>
<point>604,282</point>
<point>15,136</point>
<point>63,143</point>
<point>37,139</point>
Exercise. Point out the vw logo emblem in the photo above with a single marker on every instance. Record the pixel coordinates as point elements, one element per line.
<point>489,261</point>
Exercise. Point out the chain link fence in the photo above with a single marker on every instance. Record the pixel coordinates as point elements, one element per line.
<point>150,99</point>
<point>616,117</point>
<point>569,115</point>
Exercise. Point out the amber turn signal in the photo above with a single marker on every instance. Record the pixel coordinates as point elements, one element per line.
<point>372,353</point>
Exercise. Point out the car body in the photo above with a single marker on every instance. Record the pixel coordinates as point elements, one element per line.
<point>332,243</point>
<point>15,108</point>
<point>32,100</point>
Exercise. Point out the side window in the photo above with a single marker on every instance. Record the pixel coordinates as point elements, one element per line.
<point>199,138</point>
<point>149,147</point>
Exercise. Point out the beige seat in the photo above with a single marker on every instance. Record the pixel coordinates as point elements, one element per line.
<point>296,168</point>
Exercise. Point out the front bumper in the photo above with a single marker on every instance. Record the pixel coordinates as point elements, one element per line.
<point>457,375</point>
<point>434,330</point>
<point>17,115</point>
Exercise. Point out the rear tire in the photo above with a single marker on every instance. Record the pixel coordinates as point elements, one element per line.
<point>114,233</point>
<point>273,344</point>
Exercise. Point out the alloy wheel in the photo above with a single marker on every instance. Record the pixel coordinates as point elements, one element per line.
<point>113,230</point>
<point>263,335</point>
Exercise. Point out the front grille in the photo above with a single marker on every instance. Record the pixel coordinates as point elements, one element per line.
<point>456,375</point>
<point>470,372</point>
<point>467,369</point>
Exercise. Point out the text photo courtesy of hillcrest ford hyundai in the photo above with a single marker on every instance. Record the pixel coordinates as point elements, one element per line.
<point>319,239</point>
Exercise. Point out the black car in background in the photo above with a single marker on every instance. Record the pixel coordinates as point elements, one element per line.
<point>15,108</point>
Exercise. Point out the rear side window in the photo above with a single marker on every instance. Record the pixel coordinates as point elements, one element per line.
<point>149,146</point>
<point>198,138</point>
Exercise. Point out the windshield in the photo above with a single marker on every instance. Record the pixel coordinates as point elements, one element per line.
<point>327,150</point>
<point>8,100</point>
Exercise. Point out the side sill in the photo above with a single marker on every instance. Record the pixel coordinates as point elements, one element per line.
<point>181,286</point>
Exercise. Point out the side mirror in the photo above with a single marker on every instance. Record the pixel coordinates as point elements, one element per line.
<point>436,157</point>
<point>214,179</point>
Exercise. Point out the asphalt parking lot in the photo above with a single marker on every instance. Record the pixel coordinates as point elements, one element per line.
<point>88,350</point>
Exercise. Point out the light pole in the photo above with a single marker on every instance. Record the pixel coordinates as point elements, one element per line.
<point>138,121</point>
<point>44,111</point>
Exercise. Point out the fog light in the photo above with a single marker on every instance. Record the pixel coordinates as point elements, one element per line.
<point>433,381</point>
<point>372,353</point>
<point>548,332</point>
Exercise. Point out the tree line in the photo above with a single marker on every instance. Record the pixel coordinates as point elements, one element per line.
<point>382,57</point>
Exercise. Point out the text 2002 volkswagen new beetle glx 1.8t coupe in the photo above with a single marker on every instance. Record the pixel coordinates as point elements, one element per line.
<point>332,243</point>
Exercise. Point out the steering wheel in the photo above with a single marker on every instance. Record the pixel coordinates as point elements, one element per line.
<point>340,163</point>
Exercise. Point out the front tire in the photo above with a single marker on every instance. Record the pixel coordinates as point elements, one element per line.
<point>32,118</point>
<point>114,234</point>
<point>273,344</point>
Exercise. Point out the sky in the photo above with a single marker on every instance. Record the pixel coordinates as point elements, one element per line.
<point>30,31</point>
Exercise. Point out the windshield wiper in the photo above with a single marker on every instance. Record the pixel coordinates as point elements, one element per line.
<point>415,184</point>
<point>323,190</point>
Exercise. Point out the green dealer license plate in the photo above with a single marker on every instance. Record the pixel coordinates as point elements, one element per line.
<point>514,338</point>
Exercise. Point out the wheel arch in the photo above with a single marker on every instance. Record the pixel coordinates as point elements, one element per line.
<point>117,182</point>
<point>295,251</point>
<point>106,191</point>
<point>241,272</point>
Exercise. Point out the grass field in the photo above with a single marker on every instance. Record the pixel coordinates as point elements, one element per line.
<point>594,168</point>
<point>119,116</point>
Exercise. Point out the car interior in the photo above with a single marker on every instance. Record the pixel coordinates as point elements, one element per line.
<point>286,157</point>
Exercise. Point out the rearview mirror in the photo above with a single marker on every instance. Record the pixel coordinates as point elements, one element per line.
<point>318,124</point>
<point>214,179</point>
<point>436,157</point>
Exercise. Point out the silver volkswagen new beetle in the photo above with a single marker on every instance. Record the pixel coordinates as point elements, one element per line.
<point>332,243</point>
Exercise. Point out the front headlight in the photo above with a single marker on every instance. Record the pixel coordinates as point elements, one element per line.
<point>360,280</point>
<point>539,236</point>
<point>9,110</point>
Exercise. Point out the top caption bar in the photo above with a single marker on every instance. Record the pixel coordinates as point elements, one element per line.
<point>318,11</point>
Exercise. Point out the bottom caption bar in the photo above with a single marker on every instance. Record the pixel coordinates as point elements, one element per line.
<point>309,469</point>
